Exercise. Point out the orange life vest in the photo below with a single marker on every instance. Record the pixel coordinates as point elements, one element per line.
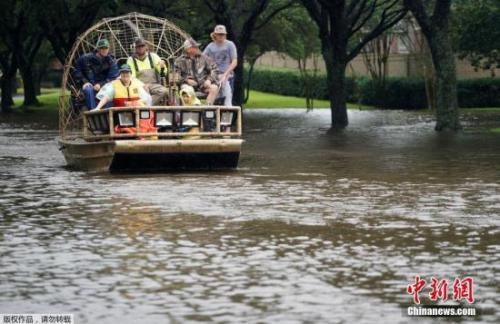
<point>129,97</point>
<point>124,95</point>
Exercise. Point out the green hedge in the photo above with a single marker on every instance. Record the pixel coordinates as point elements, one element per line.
<point>400,93</point>
<point>288,83</point>
<point>483,92</point>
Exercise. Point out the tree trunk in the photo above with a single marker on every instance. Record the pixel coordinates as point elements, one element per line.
<point>444,64</point>
<point>335,77</point>
<point>436,30</point>
<point>334,52</point>
<point>336,85</point>
<point>249,79</point>
<point>7,83</point>
<point>8,87</point>
<point>239,86</point>
<point>29,85</point>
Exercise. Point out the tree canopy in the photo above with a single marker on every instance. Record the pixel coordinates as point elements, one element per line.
<point>476,32</point>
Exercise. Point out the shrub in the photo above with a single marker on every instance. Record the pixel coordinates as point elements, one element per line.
<point>288,83</point>
<point>484,92</point>
<point>399,93</point>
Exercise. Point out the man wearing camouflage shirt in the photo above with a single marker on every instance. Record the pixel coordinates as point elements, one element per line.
<point>198,71</point>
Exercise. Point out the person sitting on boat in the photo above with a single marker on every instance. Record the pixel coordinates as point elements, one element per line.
<point>126,91</point>
<point>147,67</point>
<point>224,54</point>
<point>93,70</point>
<point>198,70</point>
<point>188,96</point>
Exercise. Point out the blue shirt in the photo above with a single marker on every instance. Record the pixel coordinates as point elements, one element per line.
<point>94,69</point>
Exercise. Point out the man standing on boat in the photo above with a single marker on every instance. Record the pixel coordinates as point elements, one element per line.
<point>147,67</point>
<point>223,52</point>
<point>198,70</point>
<point>93,70</point>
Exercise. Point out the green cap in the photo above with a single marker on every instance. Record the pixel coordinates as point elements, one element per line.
<point>125,68</point>
<point>102,43</point>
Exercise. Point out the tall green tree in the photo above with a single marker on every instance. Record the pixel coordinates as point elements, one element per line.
<point>301,44</point>
<point>475,28</point>
<point>242,19</point>
<point>339,23</point>
<point>266,39</point>
<point>433,18</point>
<point>23,37</point>
<point>410,35</point>
<point>180,13</point>
<point>64,20</point>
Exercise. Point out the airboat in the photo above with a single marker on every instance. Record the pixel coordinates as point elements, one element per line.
<point>185,137</point>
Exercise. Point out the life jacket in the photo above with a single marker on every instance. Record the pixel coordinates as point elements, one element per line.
<point>129,97</point>
<point>125,94</point>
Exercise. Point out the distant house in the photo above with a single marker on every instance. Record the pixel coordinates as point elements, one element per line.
<point>405,58</point>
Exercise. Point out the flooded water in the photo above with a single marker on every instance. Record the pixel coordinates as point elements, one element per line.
<point>313,227</point>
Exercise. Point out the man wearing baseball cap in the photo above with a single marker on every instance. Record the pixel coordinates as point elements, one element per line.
<point>223,52</point>
<point>147,67</point>
<point>127,91</point>
<point>93,70</point>
<point>197,70</point>
<point>124,91</point>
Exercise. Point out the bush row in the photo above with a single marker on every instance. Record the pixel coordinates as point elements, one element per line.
<point>289,83</point>
<point>400,93</point>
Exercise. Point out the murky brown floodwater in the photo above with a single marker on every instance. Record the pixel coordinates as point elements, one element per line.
<point>312,227</point>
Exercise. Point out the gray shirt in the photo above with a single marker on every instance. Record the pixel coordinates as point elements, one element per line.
<point>222,54</point>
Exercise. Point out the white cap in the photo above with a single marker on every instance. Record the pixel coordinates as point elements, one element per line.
<point>188,43</point>
<point>220,29</point>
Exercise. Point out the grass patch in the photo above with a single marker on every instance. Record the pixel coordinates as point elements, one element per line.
<point>49,102</point>
<point>46,113</point>
<point>20,91</point>
<point>483,109</point>
<point>259,99</point>
<point>282,69</point>
<point>495,130</point>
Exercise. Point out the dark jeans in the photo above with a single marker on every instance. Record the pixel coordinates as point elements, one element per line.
<point>90,99</point>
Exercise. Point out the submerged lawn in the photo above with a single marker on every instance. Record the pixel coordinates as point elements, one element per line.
<point>49,101</point>
<point>50,97</point>
<point>259,99</point>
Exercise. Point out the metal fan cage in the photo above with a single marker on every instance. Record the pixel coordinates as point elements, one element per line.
<point>163,38</point>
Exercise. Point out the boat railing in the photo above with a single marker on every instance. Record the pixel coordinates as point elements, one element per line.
<point>168,122</point>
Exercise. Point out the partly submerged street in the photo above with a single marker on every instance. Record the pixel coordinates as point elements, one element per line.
<point>311,228</point>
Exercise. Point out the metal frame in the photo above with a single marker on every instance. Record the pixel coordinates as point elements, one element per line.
<point>88,136</point>
<point>162,33</point>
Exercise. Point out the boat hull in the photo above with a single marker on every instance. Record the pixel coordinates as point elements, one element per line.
<point>152,155</point>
